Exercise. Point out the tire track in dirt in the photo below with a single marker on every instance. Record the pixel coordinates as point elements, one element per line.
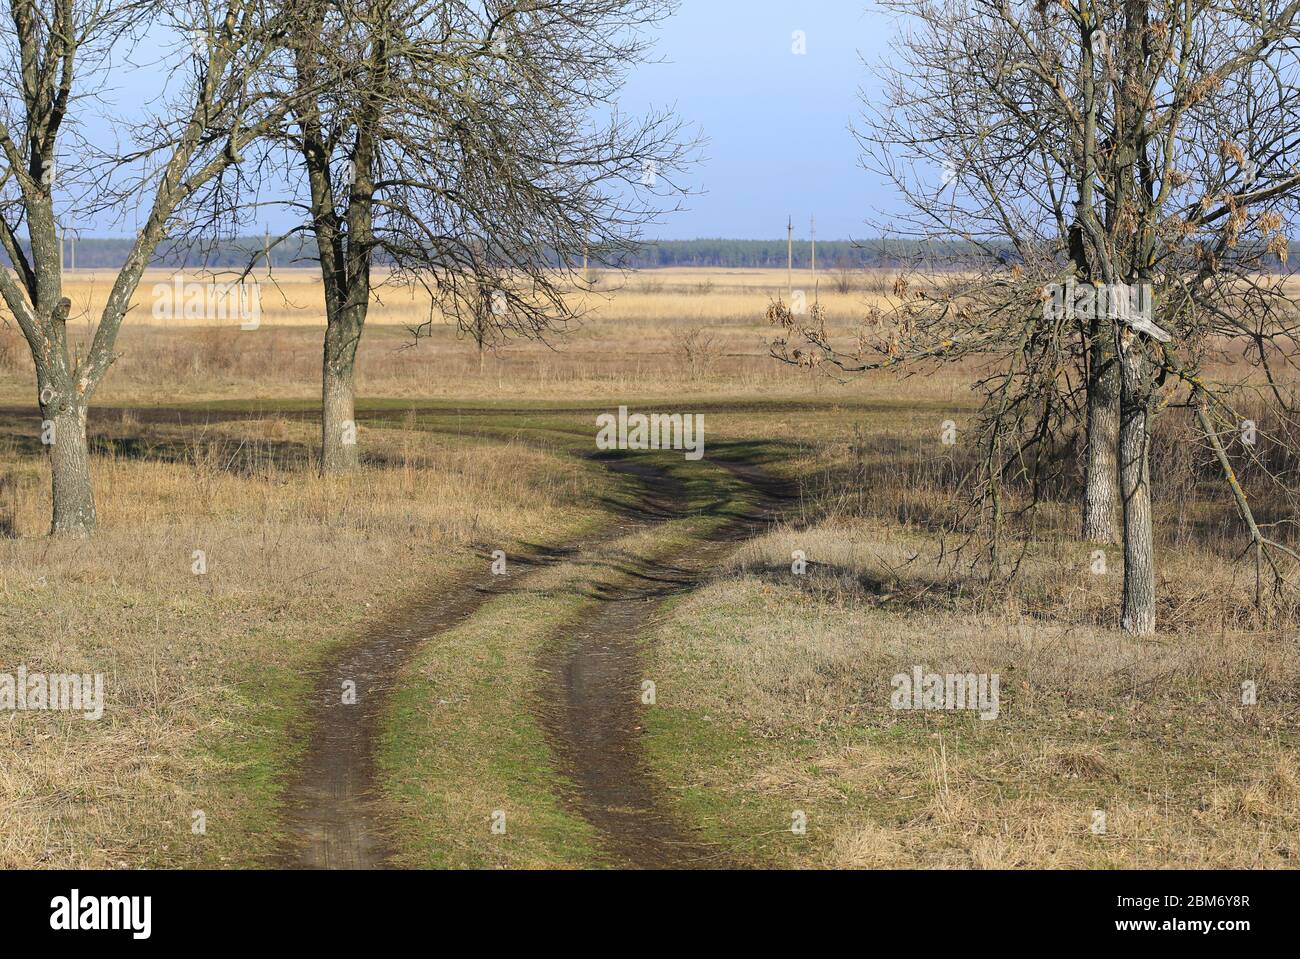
<point>591,705</point>
<point>331,816</point>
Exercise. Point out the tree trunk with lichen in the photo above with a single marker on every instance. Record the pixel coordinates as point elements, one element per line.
<point>1101,477</point>
<point>339,453</point>
<point>63,430</point>
<point>1138,614</point>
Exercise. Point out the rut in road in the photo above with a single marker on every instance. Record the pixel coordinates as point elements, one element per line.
<point>330,816</point>
<point>591,706</point>
<point>330,806</point>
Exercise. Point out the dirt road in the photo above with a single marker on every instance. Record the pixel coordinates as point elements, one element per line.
<point>590,704</point>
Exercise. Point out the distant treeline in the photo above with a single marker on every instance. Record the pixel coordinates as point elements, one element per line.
<point>770,254</point>
<point>833,254</point>
<point>102,253</point>
<point>300,251</point>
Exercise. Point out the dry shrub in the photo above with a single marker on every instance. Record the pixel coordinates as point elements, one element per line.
<point>700,350</point>
<point>868,847</point>
<point>1272,794</point>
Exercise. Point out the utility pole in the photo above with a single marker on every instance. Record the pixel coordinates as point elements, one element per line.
<point>584,263</point>
<point>789,256</point>
<point>266,249</point>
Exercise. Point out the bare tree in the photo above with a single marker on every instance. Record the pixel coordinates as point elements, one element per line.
<point>458,147</point>
<point>1111,181</point>
<point>55,51</point>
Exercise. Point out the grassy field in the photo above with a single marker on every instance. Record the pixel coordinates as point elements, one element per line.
<point>207,674</point>
<point>776,692</point>
<point>773,687</point>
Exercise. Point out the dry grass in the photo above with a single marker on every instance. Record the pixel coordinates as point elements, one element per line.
<point>634,340</point>
<point>777,686</point>
<point>792,692</point>
<point>204,674</point>
<point>774,689</point>
<point>630,341</point>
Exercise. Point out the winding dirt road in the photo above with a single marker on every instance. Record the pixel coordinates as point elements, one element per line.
<point>589,706</point>
<point>330,805</point>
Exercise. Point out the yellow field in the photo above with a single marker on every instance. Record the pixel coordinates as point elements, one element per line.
<point>639,333</point>
<point>671,297</point>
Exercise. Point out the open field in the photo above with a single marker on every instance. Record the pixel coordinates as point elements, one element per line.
<point>772,689</point>
<point>640,333</point>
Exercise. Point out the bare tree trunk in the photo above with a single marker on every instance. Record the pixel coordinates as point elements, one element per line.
<point>1101,480</point>
<point>74,497</point>
<point>338,414</point>
<point>1139,605</point>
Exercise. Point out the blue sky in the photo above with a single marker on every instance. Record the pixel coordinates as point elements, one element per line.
<point>776,122</point>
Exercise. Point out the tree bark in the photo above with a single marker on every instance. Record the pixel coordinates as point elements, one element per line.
<point>1139,605</point>
<point>1101,479</point>
<point>74,497</point>
<point>339,452</point>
